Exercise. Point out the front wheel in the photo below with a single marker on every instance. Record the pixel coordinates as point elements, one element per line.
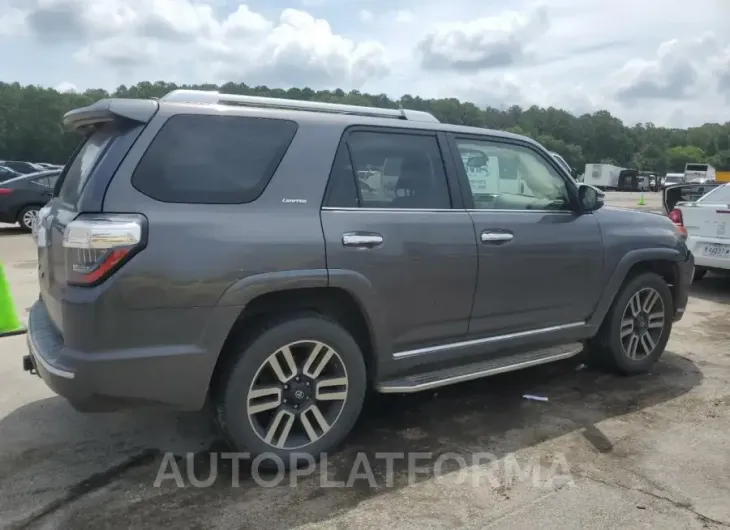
<point>637,327</point>
<point>294,391</point>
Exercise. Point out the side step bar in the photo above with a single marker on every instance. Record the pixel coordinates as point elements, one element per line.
<point>459,374</point>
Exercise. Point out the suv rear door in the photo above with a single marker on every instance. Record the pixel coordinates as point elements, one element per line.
<point>394,223</point>
<point>540,263</point>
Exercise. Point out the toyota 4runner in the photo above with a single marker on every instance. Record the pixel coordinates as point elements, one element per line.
<point>277,258</point>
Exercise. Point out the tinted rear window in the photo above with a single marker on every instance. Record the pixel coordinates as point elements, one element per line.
<point>77,173</point>
<point>696,167</point>
<point>207,159</point>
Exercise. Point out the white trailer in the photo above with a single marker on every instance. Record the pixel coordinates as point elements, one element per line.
<point>602,176</point>
<point>699,173</point>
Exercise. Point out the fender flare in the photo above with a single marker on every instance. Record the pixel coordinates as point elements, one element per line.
<point>243,291</point>
<point>620,273</point>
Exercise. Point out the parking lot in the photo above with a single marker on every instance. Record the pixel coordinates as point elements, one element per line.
<point>640,452</point>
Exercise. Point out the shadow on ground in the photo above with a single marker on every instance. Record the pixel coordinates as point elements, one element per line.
<point>713,288</point>
<point>487,415</point>
<point>10,230</point>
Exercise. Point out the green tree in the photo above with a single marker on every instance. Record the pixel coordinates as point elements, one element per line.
<point>30,125</point>
<point>682,155</point>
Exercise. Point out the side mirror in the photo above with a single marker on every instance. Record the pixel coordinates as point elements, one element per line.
<point>591,199</point>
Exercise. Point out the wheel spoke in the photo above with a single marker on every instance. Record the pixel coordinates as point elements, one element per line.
<point>656,320</point>
<point>647,343</point>
<point>334,389</point>
<point>297,394</point>
<point>314,432</point>
<point>632,346</point>
<point>287,372</point>
<point>262,399</point>
<point>278,431</point>
<point>627,327</point>
<point>635,304</point>
<point>651,299</point>
<point>317,360</point>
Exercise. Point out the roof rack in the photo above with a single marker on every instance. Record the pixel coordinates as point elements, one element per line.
<point>216,98</point>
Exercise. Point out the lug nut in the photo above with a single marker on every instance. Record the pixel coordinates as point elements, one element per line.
<point>286,387</point>
<point>297,378</point>
<point>284,401</point>
<point>307,383</point>
<point>296,406</point>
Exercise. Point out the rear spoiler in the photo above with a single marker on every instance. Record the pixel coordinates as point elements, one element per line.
<point>106,110</point>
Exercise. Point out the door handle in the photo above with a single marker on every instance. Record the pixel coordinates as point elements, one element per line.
<point>496,237</point>
<point>361,239</point>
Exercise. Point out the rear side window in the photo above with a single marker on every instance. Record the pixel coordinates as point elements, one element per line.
<point>44,182</point>
<point>207,159</point>
<point>78,171</point>
<point>392,170</point>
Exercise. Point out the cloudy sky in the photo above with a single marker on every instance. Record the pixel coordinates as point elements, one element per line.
<point>666,61</point>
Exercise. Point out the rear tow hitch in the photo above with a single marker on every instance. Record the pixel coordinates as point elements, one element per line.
<point>29,365</point>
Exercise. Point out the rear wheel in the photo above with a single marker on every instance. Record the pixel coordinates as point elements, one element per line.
<point>699,273</point>
<point>637,327</point>
<point>293,392</point>
<point>27,217</point>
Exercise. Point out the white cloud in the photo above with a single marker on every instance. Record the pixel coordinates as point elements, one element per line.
<point>680,70</point>
<point>12,22</point>
<point>65,86</point>
<point>644,65</point>
<point>124,34</point>
<point>483,43</point>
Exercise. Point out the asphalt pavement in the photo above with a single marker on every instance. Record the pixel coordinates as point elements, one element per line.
<point>601,452</point>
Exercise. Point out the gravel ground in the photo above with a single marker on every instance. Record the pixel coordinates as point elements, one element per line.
<point>603,452</point>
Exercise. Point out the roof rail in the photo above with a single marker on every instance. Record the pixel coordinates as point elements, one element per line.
<point>216,98</point>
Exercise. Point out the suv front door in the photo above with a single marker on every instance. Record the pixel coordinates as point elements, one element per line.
<point>390,226</point>
<point>540,262</point>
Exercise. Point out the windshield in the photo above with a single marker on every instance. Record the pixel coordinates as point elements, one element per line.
<point>672,179</point>
<point>719,195</point>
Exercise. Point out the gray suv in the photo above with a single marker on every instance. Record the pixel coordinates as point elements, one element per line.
<point>276,259</point>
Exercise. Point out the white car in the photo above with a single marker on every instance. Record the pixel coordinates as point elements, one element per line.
<point>706,221</point>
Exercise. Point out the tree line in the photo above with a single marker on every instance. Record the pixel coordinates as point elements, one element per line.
<point>30,126</point>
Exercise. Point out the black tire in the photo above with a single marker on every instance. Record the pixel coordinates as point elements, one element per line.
<point>699,273</point>
<point>607,349</point>
<point>250,355</point>
<point>22,217</point>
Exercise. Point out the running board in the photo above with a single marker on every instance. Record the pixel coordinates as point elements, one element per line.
<point>459,374</point>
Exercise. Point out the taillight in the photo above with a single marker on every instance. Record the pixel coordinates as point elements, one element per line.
<point>5,191</point>
<point>676,217</point>
<point>97,245</point>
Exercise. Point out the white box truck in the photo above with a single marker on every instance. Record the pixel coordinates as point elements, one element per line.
<point>699,173</point>
<point>602,176</point>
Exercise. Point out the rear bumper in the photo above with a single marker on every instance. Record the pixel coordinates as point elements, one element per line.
<point>681,288</point>
<point>696,246</point>
<point>104,382</point>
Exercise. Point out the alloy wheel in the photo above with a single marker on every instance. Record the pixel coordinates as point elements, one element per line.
<point>29,219</point>
<point>642,324</point>
<point>297,395</point>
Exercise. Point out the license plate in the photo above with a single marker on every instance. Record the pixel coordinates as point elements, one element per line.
<point>717,250</point>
